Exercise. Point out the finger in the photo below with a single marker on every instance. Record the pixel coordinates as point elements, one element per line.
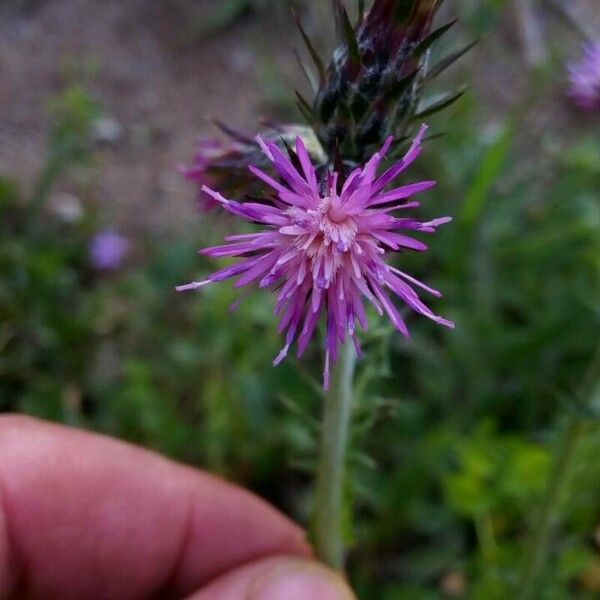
<point>86,516</point>
<point>279,578</point>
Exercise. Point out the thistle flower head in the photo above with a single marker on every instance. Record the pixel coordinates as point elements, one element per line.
<point>220,164</point>
<point>373,86</point>
<point>585,78</point>
<point>323,246</point>
<point>223,163</point>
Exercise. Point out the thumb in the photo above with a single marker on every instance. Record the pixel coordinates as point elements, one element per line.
<point>279,578</point>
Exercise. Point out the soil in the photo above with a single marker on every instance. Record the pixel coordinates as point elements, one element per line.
<point>158,79</point>
<point>155,78</point>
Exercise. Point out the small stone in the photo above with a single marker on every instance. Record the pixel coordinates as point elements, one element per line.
<point>453,584</point>
<point>241,59</point>
<point>67,207</point>
<point>107,130</point>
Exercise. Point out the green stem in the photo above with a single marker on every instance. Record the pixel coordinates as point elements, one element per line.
<point>328,521</point>
<point>485,536</point>
<point>531,33</point>
<point>579,24</point>
<point>539,546</point>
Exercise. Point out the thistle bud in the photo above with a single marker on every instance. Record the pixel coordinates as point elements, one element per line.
<point>373,85</point>
<point>224,163</point>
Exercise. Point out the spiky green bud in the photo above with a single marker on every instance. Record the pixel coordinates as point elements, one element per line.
<point>375,80</point>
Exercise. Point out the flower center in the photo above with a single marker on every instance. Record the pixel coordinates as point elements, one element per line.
<point>336,225</point>
<point>336,214</point>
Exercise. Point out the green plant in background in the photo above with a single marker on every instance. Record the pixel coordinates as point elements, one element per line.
<point>73,112</point>
<point>45,312</point>
<point>224,14</point>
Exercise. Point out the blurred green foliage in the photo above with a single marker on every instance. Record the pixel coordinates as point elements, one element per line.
<point>453,438</point>
<point>220,15</point>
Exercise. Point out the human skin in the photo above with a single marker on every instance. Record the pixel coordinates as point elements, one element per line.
<point>86,516</point>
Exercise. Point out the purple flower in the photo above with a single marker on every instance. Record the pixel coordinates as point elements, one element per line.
<point>108,249</point>
<point>585,78</point>
<point>223,164</point>
<point>217,163</point>
<point>323,247</point>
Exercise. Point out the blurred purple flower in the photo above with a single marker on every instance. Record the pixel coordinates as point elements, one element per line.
<point>108,249</point>
<point>224,164</point>
<point>585,78</point>
<point>323,246</point>
<point>220,164</point>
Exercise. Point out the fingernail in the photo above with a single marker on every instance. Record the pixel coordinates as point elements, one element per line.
<point>301,580</point>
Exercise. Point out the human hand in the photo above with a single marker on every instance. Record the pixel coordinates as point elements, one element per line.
<point>83,516</point>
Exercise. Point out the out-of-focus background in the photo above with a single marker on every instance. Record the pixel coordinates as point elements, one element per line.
<point>100,102</point>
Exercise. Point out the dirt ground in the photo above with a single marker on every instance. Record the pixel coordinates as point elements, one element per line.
<point>155,84</point>
<point>158,84</point>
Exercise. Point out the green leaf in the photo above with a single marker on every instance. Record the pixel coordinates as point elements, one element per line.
<point>309,45</point>
<point>438,105</point>
<point>292,156</point>
<point>223,16</point>
<point>439,5</point>
<point>9,191</point>
<point>310,76</point>
<point>432,38</point>
<point>346,31</point>
<point>361,10</point>
<point>447,61</point>
<point>232,133</point>
<point>306,109</point>
<point>398,88</point>
<point>402,9</point>
<point>486,176</point>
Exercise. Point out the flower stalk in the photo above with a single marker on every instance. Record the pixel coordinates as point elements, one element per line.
<point>539,546</point>
<point>332,211</point>
<point>565,463</point>
<point>328,519</point>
